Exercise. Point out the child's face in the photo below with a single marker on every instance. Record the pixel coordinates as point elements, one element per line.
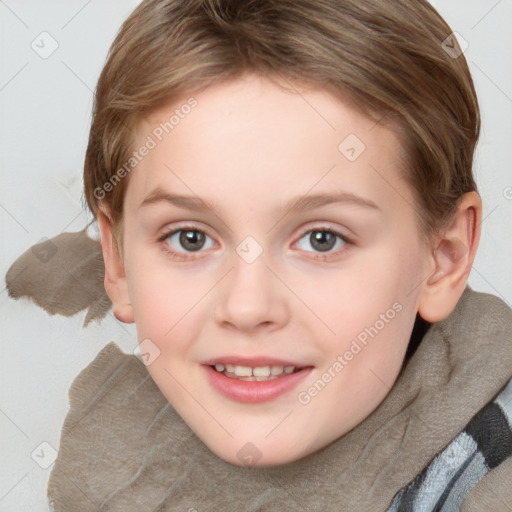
<point>248,283</point>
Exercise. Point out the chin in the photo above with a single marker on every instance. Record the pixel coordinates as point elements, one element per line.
<point>259,453</point>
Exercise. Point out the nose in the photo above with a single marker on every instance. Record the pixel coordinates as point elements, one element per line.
<point>251,297</point>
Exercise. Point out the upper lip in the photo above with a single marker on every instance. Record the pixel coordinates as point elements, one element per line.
<point>253,362</point>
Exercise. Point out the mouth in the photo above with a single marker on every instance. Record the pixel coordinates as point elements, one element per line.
<point>255,384</point>
<point>256,373</point>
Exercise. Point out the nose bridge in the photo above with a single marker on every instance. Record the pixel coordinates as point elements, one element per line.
<point>250,295</point>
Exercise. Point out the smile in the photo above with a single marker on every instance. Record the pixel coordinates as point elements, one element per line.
<point>258,373</point>
<point>249,387</point>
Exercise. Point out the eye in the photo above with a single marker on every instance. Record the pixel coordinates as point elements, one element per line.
<point>323,240</point>
<point>188,238</point>
<point>181,243</point>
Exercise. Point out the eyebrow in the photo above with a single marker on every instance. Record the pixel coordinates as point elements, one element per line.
<point>301,203</point>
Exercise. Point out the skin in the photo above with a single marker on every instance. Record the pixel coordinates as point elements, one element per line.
<point>249,147</point>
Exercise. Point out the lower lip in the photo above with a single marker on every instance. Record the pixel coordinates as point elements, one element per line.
<point>254,391</point>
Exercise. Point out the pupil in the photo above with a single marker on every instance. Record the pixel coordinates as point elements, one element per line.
<point>188,239</point>
<point>322,240</point>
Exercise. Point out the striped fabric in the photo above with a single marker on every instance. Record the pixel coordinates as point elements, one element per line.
<point>444,484</point>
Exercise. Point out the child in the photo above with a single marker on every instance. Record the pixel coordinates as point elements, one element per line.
<point>320,349</point>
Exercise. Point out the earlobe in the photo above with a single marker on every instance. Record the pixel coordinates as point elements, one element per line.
<point>116,283</point>
<point>452,260</point>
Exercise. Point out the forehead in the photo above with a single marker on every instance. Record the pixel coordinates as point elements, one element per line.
<point>246,99</point>
<point>244,135</point>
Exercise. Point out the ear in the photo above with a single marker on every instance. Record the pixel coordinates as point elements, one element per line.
<point>451,261</point>
<point>116,284</point>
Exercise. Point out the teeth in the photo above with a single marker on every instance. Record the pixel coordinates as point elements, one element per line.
<point>258,373</point>
<point>261,371</point>
<point>243,371</point>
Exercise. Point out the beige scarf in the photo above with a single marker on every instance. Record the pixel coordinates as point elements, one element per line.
<point>124,448</point>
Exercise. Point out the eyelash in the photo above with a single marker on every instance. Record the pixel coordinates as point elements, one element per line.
<point>185,257</point>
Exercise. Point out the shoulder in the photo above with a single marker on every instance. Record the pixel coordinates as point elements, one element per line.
<point>493,492</point>
<point>473,473</point>
<point>97,379</point>
<point>484,311</point>
<point>478,331</point>
<point>491,430</point>
<point>116,412</point>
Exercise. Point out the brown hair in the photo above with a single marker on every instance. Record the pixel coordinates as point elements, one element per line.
<point>386,57</point>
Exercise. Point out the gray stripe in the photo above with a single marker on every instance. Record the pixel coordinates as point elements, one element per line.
<point>474,472</point>
<point>443,468</point>
<point>440,471</point>
<point>440,484</point>
<point>504,400</point>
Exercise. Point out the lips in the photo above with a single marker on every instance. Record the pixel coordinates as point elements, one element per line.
<point>254,368</point>
<point>244,383</point>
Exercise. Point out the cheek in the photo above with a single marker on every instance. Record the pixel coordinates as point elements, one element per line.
<point>354,296</point>
<point>158,298</point>
<point>381,314</point>
<point>369,307</point>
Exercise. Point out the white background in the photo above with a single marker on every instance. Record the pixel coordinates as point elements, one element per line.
<point>44,123</point>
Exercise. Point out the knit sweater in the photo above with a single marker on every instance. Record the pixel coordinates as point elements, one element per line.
<point>433,442</point>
